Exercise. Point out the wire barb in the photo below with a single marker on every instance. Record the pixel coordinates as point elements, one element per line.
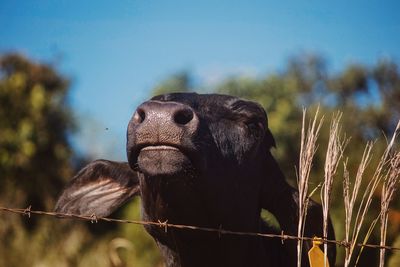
<point>27,211</point>
<point>283,237</point>
<point>93,218</point>
<point>164,224</point>
<point>220,231</point>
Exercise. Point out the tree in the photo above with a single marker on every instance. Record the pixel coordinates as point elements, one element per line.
<point>179,82</point>
<point>35,163</point>
<point>35,121</point>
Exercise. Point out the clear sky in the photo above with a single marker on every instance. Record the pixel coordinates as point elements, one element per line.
<point>116,51</point>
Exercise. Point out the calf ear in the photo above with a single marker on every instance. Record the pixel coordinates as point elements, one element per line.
<point>269,139</point>
<point>99,188</point>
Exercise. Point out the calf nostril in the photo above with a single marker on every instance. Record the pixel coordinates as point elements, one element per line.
<point>139,116</point>
<point>183,116</point>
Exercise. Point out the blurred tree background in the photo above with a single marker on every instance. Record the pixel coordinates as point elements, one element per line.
<point>36,159</point>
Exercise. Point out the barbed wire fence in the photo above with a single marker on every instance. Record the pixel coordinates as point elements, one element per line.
<point>165,225</point>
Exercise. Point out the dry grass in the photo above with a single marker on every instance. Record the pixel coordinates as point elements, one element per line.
<point>386,174</point>
<point>307,151</point>
<point>350,200</point>
<point>334,153</point>
<point>389,187</point>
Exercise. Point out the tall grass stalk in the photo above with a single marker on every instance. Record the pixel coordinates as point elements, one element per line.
<point>380,173</point>
<point>350,199</point>
<point>308,148</point>
<point>377,177</point>
<point>388,189</point>
<point>334,153</point>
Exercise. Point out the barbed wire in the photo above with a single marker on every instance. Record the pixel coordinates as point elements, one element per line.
<point>165,225</point>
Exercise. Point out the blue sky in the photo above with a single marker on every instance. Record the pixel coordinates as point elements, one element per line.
<point>115,52</point>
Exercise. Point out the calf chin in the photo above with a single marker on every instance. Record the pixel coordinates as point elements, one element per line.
<point>167,162</point>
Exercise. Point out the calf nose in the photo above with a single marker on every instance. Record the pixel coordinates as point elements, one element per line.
<point>164,113</point>
<point>163,122</point>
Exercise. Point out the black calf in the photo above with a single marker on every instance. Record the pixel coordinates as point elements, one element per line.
<point>200,160</point>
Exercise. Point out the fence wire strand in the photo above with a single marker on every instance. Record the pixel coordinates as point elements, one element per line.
<point>165,225</point>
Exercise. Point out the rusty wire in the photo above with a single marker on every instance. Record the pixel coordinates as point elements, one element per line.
<point>165,225</point>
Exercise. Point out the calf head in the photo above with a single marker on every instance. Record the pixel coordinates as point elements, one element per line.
<point>195,157</point>
<point>200,160</point>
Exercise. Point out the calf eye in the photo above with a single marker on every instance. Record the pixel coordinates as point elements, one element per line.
<point>255,128</point>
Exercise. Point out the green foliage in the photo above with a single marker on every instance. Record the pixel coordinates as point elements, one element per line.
<point>34,153</point>
<point>179,82</point>
<point>34,161</point>
<point>34,123</point>
<point>34,156</point>
<point>35,164</point>
<point>394,260</point>
<point>144,251</point>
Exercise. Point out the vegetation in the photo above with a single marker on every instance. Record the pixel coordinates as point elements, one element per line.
<point>36,159</point>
